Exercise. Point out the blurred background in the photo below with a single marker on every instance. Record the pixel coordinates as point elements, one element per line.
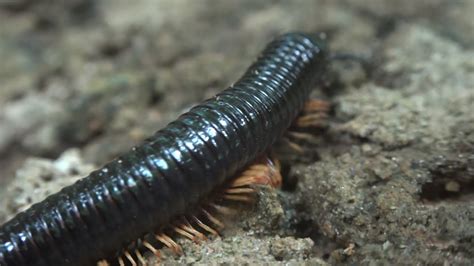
<point>100,76</point>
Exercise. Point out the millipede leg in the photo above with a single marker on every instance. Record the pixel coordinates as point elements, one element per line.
<point>240,191</point>
<point>150,247</point>
<point>103,263</point>
<point>243,181</point>
<point>204,226</point>
<point>312,120</point>
<point>291,145</point>
<point>140,257</point>
<point>167,241</point>
<point>314,114</point>
<point>241,198</point>
<point>184,233</point>
<point>242,194</point>
<point>222,209</point>
<point>275,170</point>
<point>213,219</point>
<point>188,227</point>
<point>300,136</point>
<point>130,258</point>
<point>315,105</point>
<point>120,261</point>
<point>265,173</point>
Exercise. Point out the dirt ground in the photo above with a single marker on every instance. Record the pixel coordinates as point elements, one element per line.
<point>390,180</point>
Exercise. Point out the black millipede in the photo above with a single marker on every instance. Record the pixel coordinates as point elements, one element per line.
<point>128,205</point>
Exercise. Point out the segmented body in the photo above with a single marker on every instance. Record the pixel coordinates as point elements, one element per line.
<point>172,171</point>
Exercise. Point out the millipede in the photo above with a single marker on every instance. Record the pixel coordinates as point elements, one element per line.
<point>172,183</point>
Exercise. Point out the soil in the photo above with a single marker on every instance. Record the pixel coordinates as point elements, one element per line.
<point>390,180</point>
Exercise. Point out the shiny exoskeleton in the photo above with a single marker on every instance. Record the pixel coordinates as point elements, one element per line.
<point>172,171</point>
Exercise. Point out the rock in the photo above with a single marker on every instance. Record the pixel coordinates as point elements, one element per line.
<point>392,180</point>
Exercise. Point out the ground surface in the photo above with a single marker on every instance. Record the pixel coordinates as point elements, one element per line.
<point>393,176</point>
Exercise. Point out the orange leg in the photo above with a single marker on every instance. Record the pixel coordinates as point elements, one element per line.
<point>167,241</point>
<point>314,114</point>
<point>130,258</point>
<point>265,171</point>
<point>204,226</point>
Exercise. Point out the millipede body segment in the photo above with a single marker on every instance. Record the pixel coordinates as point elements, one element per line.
<point>173,171</point>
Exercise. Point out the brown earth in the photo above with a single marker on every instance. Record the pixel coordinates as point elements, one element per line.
<point>391,180</point>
